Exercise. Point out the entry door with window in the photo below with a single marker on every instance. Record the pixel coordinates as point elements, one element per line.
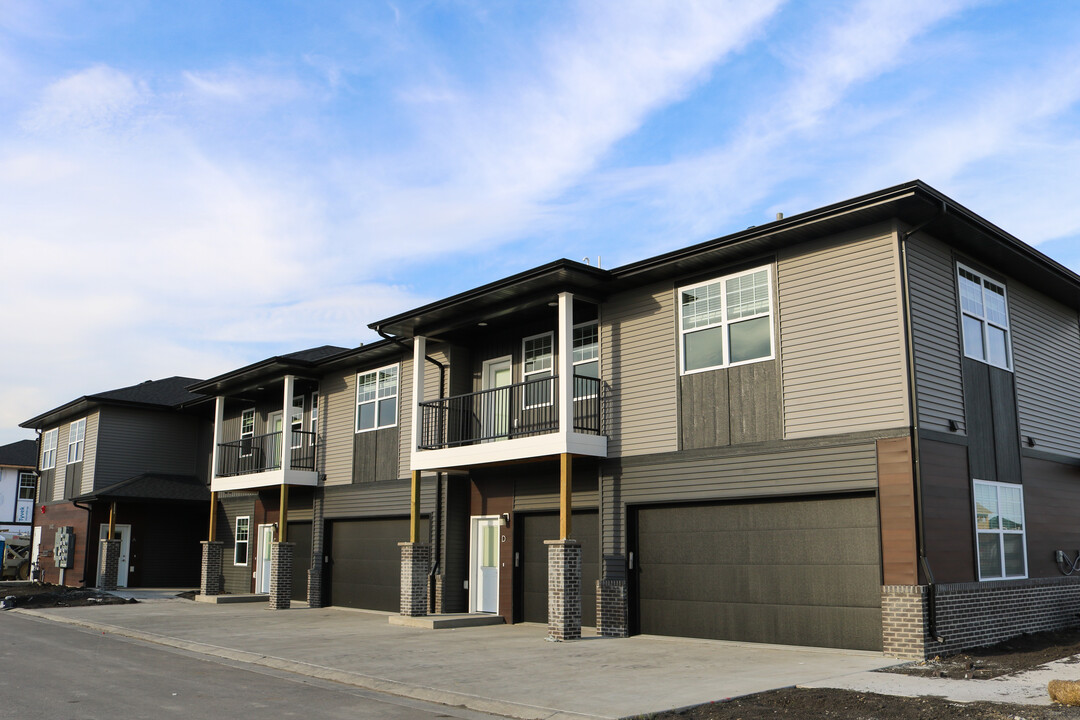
<point>262,559</point>
<point>495,409</point>
<point>273,444</point>
<point>123,534</point>
<point>484,595</point>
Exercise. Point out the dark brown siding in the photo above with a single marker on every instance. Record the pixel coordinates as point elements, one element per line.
<point>729,406</point>
<point>492,493</point>
<point>947,511</point>
<point>1051,499</point>
<point>896,499</point>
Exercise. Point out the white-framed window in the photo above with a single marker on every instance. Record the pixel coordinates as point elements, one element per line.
<point>296,421</point>
<point>314,418</point>
<point>984,312</point>
<point>27,485</point>
<point>48,449</point>
<point>726,321</point>
<point>76,437</point>
<point>376,398</point>
<point>586,358</point>
<point>247,431</point>
<point>241,540</point>
<point>999,527</point>
<point>537,353</point>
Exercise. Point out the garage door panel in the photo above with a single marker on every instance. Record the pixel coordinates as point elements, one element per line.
<point>535,529</point>
<point>365,562</point>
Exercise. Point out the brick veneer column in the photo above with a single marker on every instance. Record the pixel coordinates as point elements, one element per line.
<point>212,581</point>
<point>281,567</point>
<point>415,563</point>
<point>315,572</point>
<point>904,621</point>
<point>110,564</point>
<point>611,608</point>
<point>564,589</point>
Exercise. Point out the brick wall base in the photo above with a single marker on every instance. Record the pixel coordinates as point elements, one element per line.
<point>109,556</point>
<point>415,564</point>
<point>611,608</point>
<point>974,614</point>
<point>212,581</point>
<point>281,569</point>
<point>440,606</point>
<point>314,587</point>
<point>564,589</point>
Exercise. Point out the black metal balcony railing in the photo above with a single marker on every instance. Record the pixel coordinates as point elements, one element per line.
<point>262,453</point>
<point>519,410</point>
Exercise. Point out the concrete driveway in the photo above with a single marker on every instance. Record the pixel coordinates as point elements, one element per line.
<point>508,670</point>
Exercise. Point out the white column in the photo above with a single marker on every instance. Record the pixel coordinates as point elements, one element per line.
<point>566,363</point>
<point>419,352</point>
<point>286,423</point>
<point>219,421</point>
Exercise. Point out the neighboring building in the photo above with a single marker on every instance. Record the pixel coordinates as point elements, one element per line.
<point>856,427</point>
<point>18,483</point>
<point>132,459</point>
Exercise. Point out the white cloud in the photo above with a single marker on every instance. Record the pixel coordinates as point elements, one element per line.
<point>99,97</point>
<point>238,86</point>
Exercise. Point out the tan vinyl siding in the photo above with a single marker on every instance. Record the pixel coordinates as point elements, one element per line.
<point>61,461</point>
<point>841,336</point>
<point>935,333</point>
<point>131,442</point>
<point>337,426</point>
<point>637,341</point>
<point>405,412</point>
<point>1046,360</point>
<point>90,451</point>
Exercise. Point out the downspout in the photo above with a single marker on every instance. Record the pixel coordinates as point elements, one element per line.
<point>438,529</point>
<point>89,526</point>
<point>913,408</point>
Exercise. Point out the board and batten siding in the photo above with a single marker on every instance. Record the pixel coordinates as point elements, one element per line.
<point>131,442</point>
<point>637,350</point>
<point>1046,363</point>
<point>337,406</point>
<point>841,336</point>
<point>698,477</point>
<point>61,461</point>
<point>939,380</point>
<point>90,451</point>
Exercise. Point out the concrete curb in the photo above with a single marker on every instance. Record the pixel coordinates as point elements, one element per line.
<point>367,682</point>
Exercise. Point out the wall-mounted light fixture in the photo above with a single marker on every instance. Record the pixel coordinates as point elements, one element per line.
<point>953,425</point>
<point>1030,441</point>
<point>506,519</point>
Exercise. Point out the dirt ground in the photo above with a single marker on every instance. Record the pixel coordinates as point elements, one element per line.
<point>1012,656</point>
<point>44,595</point>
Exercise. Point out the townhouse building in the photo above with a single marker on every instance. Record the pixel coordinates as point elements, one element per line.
<point>18,485</point>
<point>855,427</point>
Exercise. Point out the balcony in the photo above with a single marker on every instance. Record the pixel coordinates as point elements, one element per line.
<point>511,422</point>
<point>256,461</point>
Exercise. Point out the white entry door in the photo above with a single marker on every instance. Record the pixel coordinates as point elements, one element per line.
<point>123,534</point>
<point>495,410</point>
<point>262,559</point>
<point>484,593</point>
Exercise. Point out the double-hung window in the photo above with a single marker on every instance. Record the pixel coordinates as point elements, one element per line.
<point>985,314</point>
<point>48,449</point>
<point>726,321</point>
<point>376,398</point>
<point>999,526</point>
<point>586,359</point>
<point>296,421</point>
<point>26,485</point>
<point>240,544</point>
<point>247,431</point>
<point>76,437</point>
<point>537,353</point>
<point>314,418</point>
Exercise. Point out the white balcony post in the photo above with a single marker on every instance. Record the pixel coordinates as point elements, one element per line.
<point>566,363</point>
<point>286,423</point>
<point>219,421</point>
<point>419,352</point>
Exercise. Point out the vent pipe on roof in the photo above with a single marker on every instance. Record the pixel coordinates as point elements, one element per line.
<point>779,216</point>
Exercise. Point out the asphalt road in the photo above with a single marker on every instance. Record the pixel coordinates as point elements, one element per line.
<point>50,671</point>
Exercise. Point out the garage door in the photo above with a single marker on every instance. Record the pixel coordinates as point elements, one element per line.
<point>299,533</point>
<point>534,530</point>
<point>365,562</point>
<point>797,572</point>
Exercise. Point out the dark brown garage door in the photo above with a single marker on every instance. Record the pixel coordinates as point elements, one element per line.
<point>534,530</point>
<point>365,562</point>
<point>299,533</point>
<point>796,572</point>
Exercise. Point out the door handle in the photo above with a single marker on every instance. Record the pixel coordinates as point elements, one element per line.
<point>631,560</point>
<point>517,559</point>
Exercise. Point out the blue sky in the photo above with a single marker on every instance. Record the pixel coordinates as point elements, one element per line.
<point>187,188</point>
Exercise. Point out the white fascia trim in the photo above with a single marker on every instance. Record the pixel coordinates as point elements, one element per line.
<point>265,479</point>
<point>504,450</point>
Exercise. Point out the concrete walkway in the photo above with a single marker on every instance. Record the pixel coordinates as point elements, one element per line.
<point>507,670</point>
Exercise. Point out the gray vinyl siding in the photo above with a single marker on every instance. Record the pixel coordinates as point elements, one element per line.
<point>637,350</point>
<point>405,414</point>
<point>931,274</point>
<point>380,499</point>
<point>702,476</point>
<point>543,494</point>
<point>841,336</point>
<point>1046,360</point>
<point>237,577</point>
<point>131,442</point>
<point>90,451</point>
<point>337,426</point>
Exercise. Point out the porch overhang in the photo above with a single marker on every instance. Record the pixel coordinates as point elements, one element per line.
<point>269,478</point>
<point>501,451</point>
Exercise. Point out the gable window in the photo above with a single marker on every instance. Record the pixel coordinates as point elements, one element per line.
<point>586,359</point>
<point>376,398</point>
<point>999,525</point>
<point>985,316</point>
<point>314,418</point>
<point>537,353</point>
<point>48,449</point>
<point>76,435</point>
<point>26,485</point>
<point>247,431</point>
<point>296,421</point>
<point>726,321</point>
<point>240,545</point>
